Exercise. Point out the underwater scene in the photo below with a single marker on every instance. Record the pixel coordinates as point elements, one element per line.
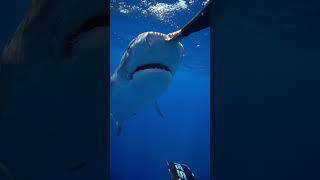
<point>147,138</point>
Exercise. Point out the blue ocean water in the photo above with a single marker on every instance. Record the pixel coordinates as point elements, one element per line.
<point>184,135</point>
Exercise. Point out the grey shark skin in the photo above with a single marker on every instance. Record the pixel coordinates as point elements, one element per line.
<point>144,73</point>
<point>51,111</point>
<point>59,31</point>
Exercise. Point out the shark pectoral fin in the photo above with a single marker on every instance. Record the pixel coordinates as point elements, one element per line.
<point>157,108</point>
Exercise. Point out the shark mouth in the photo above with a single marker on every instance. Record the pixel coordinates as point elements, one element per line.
<point>88,25</point>
<point>156,66</point>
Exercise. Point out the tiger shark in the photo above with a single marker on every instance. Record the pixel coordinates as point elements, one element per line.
<point>51,84</point>
<point>144,73</point>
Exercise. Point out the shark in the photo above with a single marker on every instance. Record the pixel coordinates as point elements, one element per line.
<point>60,31</point>
<point>145,71</point>
<point>52,78</point>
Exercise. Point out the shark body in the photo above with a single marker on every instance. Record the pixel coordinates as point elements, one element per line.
<point>51,82</point>
<point>144,73</point>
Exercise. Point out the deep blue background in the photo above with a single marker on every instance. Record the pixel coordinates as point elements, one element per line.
<point>266,97</point>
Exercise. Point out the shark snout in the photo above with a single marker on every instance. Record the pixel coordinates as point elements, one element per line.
<point>150,58</point>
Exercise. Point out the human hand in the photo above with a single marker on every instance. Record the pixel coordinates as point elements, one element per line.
<point>174,36</point>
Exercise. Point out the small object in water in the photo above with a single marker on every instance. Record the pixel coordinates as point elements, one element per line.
<point>179,171</point>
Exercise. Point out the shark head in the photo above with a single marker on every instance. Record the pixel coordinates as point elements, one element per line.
<point>60,31</point>
<point>148,66</point>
